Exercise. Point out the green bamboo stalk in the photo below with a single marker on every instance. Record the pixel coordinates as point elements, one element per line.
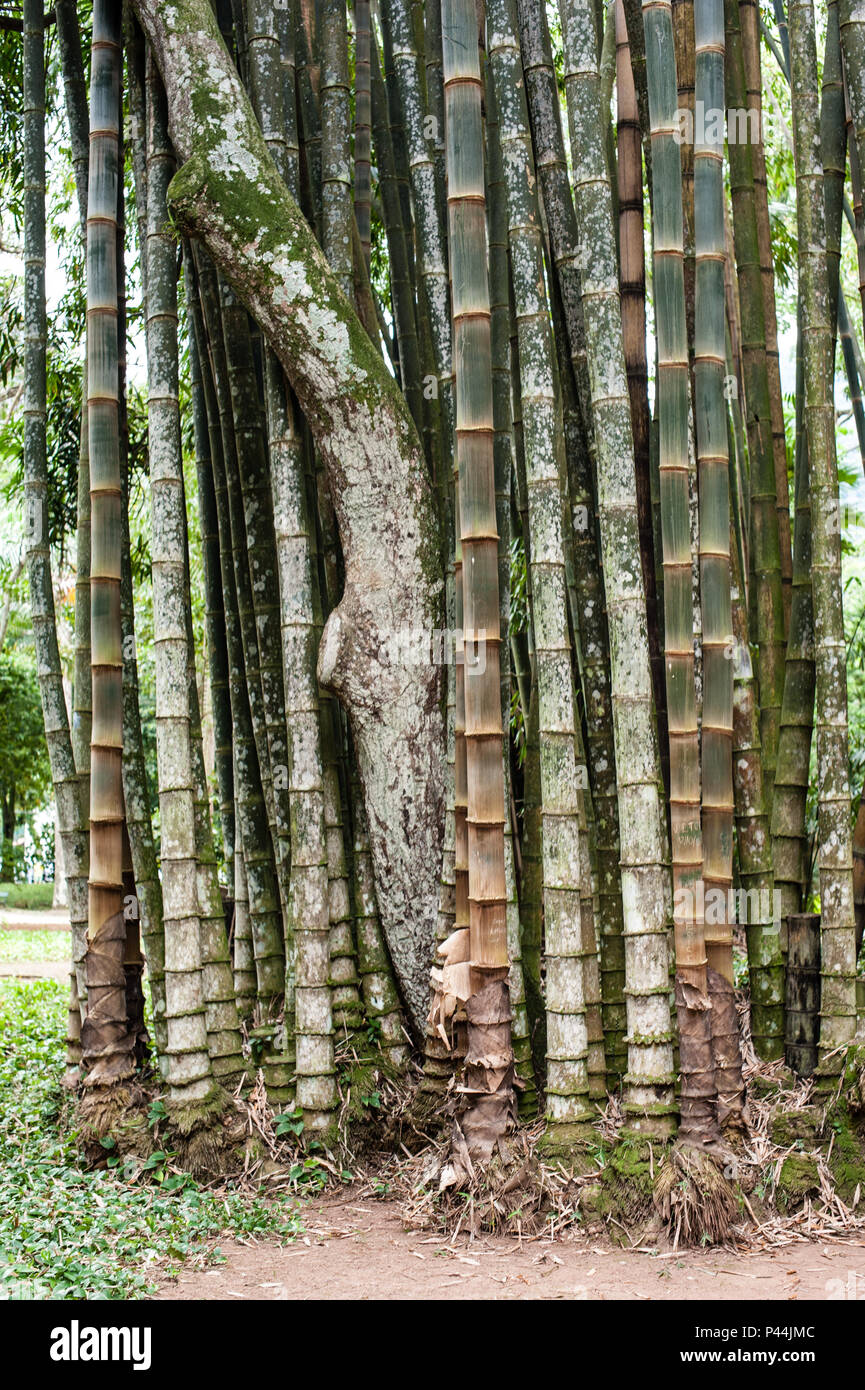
<point>500,327</point>
<point>310,125</point>
<point>852,32</point>
<point>590,623</point>
<point>78,121</point>
<point>783,31</point>
<point>833,145</point>
<point>637,45</point>
<point>645,884</point>
<point>766,586</point>
<point>567,1040</point>
<point>435,90</point>
<point>137,800</point>
<point>144,917</point>
<point>75,94</point>
<point>67,790</point>
<point>684,52</point>
<point>286,23</point>
<point>749,19</point>
<point>250,804</point>
<point>133,961</point>
<point>243,944</point>
<point>694,1018</point>
<point>107,1044</point>
<point>189,1071</point>
<point>380,997</point>
<point>316,1085</point>
<point>220,1012</point>
<point>396,233</point>
<point>137,82</point>
<point>362,124</point>
<point>217,642</point>
<point>837,924</point>
<point>488,1109</point>
<point>715,577</point>
<point>346,1004</point>
<point>255,568</point>
<point>244,959</point>
<point>570,340</point>
<point>753,839</point>
<point>266,76</point>
<point>790,837</point>
<point>396,123</point>
<point>632,279</point>
<point>334,94</point>
<point>407,50</point>
<point>852,366</point>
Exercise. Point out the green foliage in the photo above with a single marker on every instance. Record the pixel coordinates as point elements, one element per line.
<point>27,897</point>
<point>34,945</point>
<point>66,1233</point>
<point>25,774</point>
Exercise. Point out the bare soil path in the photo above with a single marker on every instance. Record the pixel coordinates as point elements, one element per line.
<point>356,1248</point>
<point>34,919</point>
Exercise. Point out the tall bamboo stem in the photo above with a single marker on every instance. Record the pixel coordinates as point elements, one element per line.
<point>837,926</point>
<point>105,1037</point>
<point>715,579</point>
<point>490,1108</point>
<point>645,884</point>
<point>189,1068</point>
<point>567,1041</point>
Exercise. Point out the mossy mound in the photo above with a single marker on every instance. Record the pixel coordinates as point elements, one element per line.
<point>112,1122</point>
<point>376,1105</point>
<point>799,1177</point>
<point>844,1142</point>
<point>628,1180</point>
<point>207,1135</point>
<point>800,1126</point>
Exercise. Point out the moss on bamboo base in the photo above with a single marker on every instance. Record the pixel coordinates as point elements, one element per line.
<point>112,1121</point>
<point>206,1134</point>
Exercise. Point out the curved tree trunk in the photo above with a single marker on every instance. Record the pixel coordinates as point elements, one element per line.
<point>229,194</point>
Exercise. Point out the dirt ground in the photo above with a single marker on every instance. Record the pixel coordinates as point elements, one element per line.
<point>358,1249</point>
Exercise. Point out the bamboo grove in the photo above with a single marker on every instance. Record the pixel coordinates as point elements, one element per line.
<point>520,629</point>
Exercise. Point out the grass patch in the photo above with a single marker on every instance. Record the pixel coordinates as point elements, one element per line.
<point>69,1233</point>
<point>26,897</point>
<point>35,945</point>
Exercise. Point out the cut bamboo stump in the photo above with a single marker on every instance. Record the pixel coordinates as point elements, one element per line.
<point>803,992</point>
